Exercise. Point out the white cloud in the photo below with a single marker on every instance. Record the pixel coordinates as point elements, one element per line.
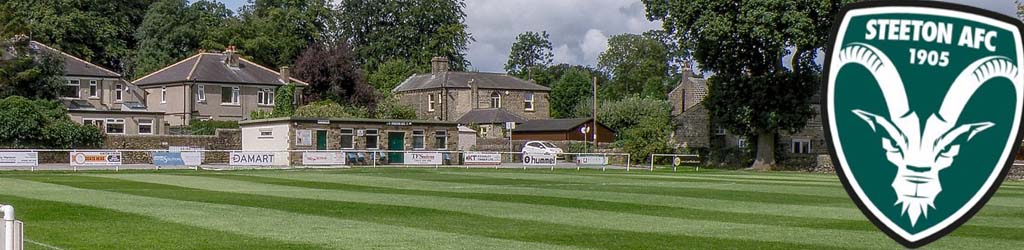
<point>563,54</point>
<point>594,42</point>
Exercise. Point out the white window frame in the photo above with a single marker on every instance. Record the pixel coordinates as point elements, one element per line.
<point>201,92</point>
<point>95,122</point>
<point>441,135</point>
<point>266,133</point>
<point>376,138</point>
<point>495,98</point>
<point>145,122</point>
<point>484,130</point>
<point>741,143</point>
<point>719,130</point>
<point>528,103</point>
<point>94,89</point>
<point>265,97</point>
<point>352,138</point>
<point>423,139</point>
<point>112,121</point>
<point>235,95</point>
<point>796,146</point>
<point>78,88</point>
<point>118,92</point>
<point>430,103</point>
<point>163,94</point>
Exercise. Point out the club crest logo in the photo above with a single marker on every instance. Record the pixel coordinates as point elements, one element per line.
<point>923,111</point>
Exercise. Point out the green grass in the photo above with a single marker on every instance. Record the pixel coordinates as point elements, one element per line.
<point>463,209</point>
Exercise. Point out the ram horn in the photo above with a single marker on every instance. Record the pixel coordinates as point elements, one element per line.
<point>971,79</point>
<point>882,69</point>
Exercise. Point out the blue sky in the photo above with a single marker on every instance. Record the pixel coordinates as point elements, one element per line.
<point>579,28</point>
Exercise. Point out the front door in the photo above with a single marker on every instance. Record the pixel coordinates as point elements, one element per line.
<point>321,140</point>
<point>396,141</point>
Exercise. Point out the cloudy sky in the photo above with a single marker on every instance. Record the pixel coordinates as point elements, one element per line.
<point>579,29</point>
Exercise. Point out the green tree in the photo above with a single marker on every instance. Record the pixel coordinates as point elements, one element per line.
<point>529,55</point>
<point>333,74</point>
<point>98,31</point>
<point>638,65</point>
<point>571,90</point>
<point>174,29</point>
<point>390,74</point>
<point>743,43</point>
<point>42,123</point>
<point>36,74</point>
<point>391,108</point>
<point>275,32</point>
<point>331,109</point>
<point>412,30</point>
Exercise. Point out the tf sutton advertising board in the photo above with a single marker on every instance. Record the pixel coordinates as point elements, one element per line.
<point>99,158</point>
<point>423,158</point>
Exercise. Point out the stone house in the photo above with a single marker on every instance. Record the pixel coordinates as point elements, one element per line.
<point>217,86</point>
<point>97,96</point>
<point>482,100</point>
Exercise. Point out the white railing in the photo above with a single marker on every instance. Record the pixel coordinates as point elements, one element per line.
<point>13,237</point>
<point>677,159</point>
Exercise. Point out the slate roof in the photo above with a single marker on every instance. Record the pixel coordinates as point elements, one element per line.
<point>461,80</point>
<point>551,125</point>
<point>489,116</point>
<point>74,66</point>
<point>210,67</point>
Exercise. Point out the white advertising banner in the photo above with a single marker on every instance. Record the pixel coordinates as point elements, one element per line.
<point>592,160</point>
<point>100,158</point>
<point>423,159</point>
<point>478,158</point>
<point>539,159</point>
<point>323,158</point>
<point>19,159</point>
<point>239,158</point>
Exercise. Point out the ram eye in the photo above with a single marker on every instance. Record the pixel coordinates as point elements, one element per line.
<point>889,146</point>
<point>950,151</point>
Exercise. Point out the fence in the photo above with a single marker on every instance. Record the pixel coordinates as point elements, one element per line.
<point>12,237</point>
<point>677,160</point>
<point>193,158</point>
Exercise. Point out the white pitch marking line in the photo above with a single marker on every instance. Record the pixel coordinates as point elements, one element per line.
<point>43,245</point>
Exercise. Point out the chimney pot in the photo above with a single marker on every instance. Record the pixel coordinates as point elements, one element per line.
<point>438,65</point>
<point>232,56</point>
<point>285,74</point>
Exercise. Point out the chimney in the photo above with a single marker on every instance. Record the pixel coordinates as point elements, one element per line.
<point>474,93</point>
<point>285,74</point>
<point>438,64</point>
<point>232,57</point>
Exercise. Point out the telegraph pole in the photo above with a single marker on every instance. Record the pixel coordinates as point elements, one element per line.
<point>595,114</point>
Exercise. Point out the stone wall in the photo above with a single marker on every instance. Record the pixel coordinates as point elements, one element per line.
<point>223,139</point>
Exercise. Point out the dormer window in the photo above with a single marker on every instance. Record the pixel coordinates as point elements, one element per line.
<point>118,92</point>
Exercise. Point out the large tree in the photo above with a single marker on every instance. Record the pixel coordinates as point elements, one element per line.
<point>529,55</point>
<point>572,89</point>
<point>390,74</point>
<point>638,64</point>
<point>412,30</point>
<point>275,32</point>
<point>35,74</point>
<point>98,31</point>
<point>332,74</point>
<point>752,92</point>
<point>175,29</point>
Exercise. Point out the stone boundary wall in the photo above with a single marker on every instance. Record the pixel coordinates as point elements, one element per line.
<point>223,139</point>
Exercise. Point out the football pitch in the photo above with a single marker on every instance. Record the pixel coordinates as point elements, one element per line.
<point>464,209</point>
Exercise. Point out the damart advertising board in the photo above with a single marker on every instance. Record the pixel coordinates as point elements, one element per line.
<point>98,158</point>
<point>242,158</point>
<point>323,158</point>
<point>423,159</point>
<point>478,158</point>
<point>19,159</point>
<point>539,159</point>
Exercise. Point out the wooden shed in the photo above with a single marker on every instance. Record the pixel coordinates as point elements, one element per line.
<point>561,130</point>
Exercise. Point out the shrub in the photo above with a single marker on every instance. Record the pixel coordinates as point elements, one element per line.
<point>68,134</point>
<point>42,123</point>
<point>649,136</point>
<point>330,109</point>
<point>390,108</point>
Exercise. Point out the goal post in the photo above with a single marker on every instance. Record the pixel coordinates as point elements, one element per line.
<point>12,237</point>
<point>676,160</point>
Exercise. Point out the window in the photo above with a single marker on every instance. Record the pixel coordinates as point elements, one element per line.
<point>118,92</point>
<point>741,143</point>
<point>229,95</point>
<point>265,97</point>
<point>266,133</point>
<point>163,94</point>
<point>93,91</point>
<point>201,92</point>
<point>801,146</point>
<point>71,89</point>
<point>719,131</point>
<point>484,130</point>
<point>528,101</point>
<point>417,139</point>
<point>94,122</point>
<point>371,139</point>
<point>441,139</point>
<point>346,138</point>
<point>430,103</point>
<point>115,126</point>
<point>145,126</point>
<point>495,100</point>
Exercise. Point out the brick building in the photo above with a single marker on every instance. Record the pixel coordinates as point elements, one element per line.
<point>496,98</point>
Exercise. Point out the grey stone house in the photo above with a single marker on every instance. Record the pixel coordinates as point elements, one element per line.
<point>695,130</point>
<point>217,86</point>
<point>97,96</point>
<point>481,100</point>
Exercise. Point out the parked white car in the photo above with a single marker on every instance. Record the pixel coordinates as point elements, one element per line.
<point>541,147</point>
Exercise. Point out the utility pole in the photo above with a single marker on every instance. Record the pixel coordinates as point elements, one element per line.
<point>595,114</point>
